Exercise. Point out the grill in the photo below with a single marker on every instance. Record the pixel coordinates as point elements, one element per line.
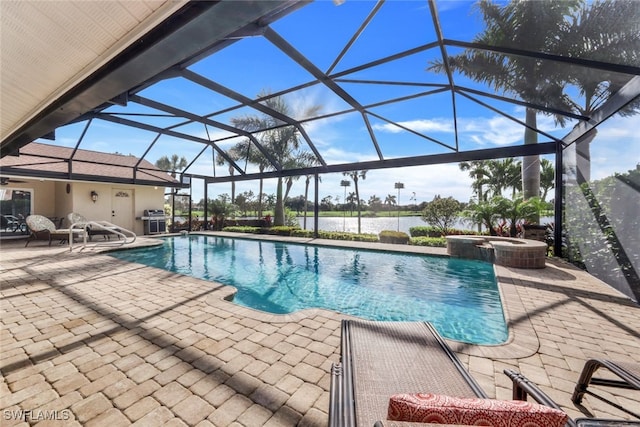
<point>154,221</point>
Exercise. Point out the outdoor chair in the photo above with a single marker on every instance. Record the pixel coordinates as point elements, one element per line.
<point>80,221</point>
<point>385,366</point>
<point>41,228</point>
<point>380,359</point>
<point>627,372</point>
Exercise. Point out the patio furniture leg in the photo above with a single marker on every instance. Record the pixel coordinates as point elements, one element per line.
<point>629,379</point>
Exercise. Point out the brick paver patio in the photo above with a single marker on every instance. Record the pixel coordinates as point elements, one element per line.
<point>96,341</point>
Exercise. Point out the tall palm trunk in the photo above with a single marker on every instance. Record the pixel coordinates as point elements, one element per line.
<point>278,215</point>
<point>583,156</point>
<point>287,189</point>
<point>260,199</point>
<point>531,164</point>
<point>233,184</point>
<point>355,181</point>
<point>306,200</point>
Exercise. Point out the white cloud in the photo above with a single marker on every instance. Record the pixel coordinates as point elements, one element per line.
<point>496,130</point>
<point>435,125</point>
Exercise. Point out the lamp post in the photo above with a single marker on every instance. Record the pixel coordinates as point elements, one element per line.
<point>344,183</point>
<point>399,185</point>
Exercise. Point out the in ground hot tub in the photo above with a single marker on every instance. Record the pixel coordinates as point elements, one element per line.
<point>507,251</point>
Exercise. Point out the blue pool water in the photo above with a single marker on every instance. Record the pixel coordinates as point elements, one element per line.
<point>460,297</point>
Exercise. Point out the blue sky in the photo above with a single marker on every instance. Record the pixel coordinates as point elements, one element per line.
<point>320,31</point>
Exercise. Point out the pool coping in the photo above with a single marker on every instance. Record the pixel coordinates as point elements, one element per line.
<point>521,342</point>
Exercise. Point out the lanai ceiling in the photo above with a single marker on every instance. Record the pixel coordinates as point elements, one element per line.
<point>170,77</point>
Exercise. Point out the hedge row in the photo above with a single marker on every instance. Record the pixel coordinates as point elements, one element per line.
<point>297,232</point>
<point>337,235</point>
<point>436,242</point>
<point>397,237</point>
<point>428,231</point>
<point>385,236</point>
<point>279,230</point>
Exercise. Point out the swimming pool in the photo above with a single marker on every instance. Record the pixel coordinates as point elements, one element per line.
<point>460,297</point>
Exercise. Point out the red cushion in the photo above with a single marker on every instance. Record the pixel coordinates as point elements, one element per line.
<point>434,408</point>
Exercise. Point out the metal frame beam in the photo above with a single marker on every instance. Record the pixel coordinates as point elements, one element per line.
<point>195,118</point>
<point>179,135</point>
<point>598,65</point>
<point>433,159</point>
<point>216,87</point>
<point>190,32</point>
<point>279,42</point>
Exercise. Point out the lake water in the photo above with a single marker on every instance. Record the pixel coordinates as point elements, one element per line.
<point>377,224</point>
<point>370,225</point>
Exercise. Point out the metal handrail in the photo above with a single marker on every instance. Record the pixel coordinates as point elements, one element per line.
<point>125,236</point>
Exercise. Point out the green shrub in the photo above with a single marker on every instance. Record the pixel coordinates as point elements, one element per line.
<point>424,231</point>
<point>242,229</point>
<point>336,235</point>
<point>281,230</point>
<point>428,231</point>
<point>397,237</point>
<point>457,232</point>
<point>302,233</point>
<point>367,237</point>
<point>354,237</point>
<point>436,242</point>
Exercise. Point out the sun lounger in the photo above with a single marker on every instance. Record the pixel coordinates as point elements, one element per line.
<point>41,228</point>
<point>522,388</point>
<point>380,359</point>
<point>105,229</point>
<point>384,359</point>
<point>627,372</point>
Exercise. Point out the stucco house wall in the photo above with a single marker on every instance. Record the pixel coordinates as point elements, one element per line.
<point>142,197</point>
<point>50,199</point>
<point>63,201</point>
<point>44,171</point>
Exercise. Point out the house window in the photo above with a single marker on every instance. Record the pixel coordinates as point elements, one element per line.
<point>15,206</point>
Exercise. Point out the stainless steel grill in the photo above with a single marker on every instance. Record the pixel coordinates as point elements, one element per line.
<point>155,221</point>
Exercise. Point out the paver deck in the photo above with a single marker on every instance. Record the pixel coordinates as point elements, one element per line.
<point>93,340</point>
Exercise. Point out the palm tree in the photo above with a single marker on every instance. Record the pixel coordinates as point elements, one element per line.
<point>513,176</point>
<point>307,181</point>
<point>234,155</point>
<point>536,26</point>
<point>375,203</point>
<point>352,201</point>
<point>502,174</point>
<point>482,213</point>
<point>254,156</point>
<point>547,178</point>
<point>516,210</point>
<point>173,164</point>
<point>391,201</point>
<point>355,175</point>
<point>607,31</point>
<point>281,142</point>
<point>300,159</point>
<point>478,172</point>
<point>496,177</point>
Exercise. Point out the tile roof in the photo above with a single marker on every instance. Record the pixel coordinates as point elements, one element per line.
<point>37,159</point>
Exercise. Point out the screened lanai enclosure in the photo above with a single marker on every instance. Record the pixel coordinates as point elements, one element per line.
<point>348,86</point>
